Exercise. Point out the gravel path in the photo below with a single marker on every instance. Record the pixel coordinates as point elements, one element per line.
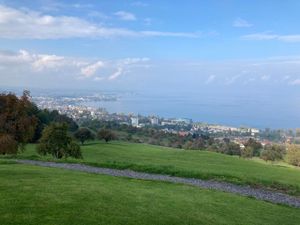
<point>258,193</point>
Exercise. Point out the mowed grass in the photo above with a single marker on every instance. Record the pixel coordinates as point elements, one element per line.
<point>197,164</point>
<point>37,195</point>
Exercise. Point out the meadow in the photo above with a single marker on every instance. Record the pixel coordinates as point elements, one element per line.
<point>185,163</point>
<point>37,195</point>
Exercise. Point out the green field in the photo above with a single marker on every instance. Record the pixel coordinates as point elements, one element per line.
<point>198,164</point>
<point>36,195</point>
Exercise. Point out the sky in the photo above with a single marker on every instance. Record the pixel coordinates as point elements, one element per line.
<point>161,46</point>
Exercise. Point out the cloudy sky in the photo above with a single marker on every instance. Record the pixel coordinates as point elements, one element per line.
<point>153,45</point>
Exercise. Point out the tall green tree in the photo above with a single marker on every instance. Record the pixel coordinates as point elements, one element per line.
<point>84,134</point>
<point>57,142</point>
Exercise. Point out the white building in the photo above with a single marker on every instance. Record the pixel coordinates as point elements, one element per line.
<point>135,121</point>
<point>154,121</point>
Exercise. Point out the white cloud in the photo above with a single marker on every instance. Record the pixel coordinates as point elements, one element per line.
<point>295,82</point>
<point>116,74</point>
<point>99,78</point>
<point>265,77</point>
<point>232,79</point>
<point>122,15</point>
<point>250,80</point>
<point>129,61</point>
<point>126,65</point>
<point>24,67</point>
<point>81,6</point>
<point>286,77</point>
<point>270,36</point>
<point>97,14</point>
<point>241,23</point>
<point>26,64</point>
<point>37,62</point>
<point>170,34</point>
<point>47,61</point>
<point>210,79</point>
<point>91,69</point>
<point>52,5</point>
<point>27,24</point>
<point>139,3</point>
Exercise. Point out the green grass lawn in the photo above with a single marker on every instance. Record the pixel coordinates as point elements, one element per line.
<point>37,195</point>
<point>198,164</point>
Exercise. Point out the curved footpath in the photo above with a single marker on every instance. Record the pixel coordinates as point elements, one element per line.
<point>258,193</point>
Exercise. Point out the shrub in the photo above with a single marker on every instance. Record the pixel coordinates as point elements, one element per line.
<point>230,148</point>
<point>255,145</point>
<point>56,141</point>
<point>247,152</point>
<point>8,144</point>
<point>293,155</point>
<point>106,134</point>
<point>273,152</point>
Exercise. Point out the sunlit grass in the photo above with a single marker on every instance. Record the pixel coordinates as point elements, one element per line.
<point>36,195</point>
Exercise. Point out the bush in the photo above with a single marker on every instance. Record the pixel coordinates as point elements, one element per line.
<point>255,145</point>
<point>293,155</point>
<point>230,148</point>
<point>106,134</point>
<point>247,152</point>
<point>273,152</point>
<point>56,141</point>
<point>8,145</point>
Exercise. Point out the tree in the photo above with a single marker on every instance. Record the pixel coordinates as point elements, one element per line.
<point>59,118</point>
<point>8,144</point>
<point>273,152</point>
<point>255,145</point>
<point>45,117</point>
<point>56,141</point>
<point>17,123</point>
<point>106,134</point>
<point>298,132</point>
<point>247,152</point>
<point>293,155</point>
<point>230,148</point>
<point>83,134</point>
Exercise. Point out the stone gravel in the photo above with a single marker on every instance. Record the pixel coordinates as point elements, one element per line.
<point>258,193</point>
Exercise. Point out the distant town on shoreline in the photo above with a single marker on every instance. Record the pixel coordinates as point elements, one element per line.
<point>76,108</point>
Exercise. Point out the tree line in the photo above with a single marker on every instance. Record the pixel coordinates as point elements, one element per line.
<point>252,147</point>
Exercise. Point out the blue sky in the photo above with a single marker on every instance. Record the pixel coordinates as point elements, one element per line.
<point>150,44</point>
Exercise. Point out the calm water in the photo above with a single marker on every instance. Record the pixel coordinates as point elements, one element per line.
<point>254,107</point>
<point>261,110</point>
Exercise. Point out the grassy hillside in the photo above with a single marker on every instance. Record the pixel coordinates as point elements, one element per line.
<point>200,164</point>
<point>35,195</point>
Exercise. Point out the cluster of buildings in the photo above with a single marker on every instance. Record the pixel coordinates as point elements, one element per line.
<point>215,129</point>
<point>181,126</point>
<point>156,121</point>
